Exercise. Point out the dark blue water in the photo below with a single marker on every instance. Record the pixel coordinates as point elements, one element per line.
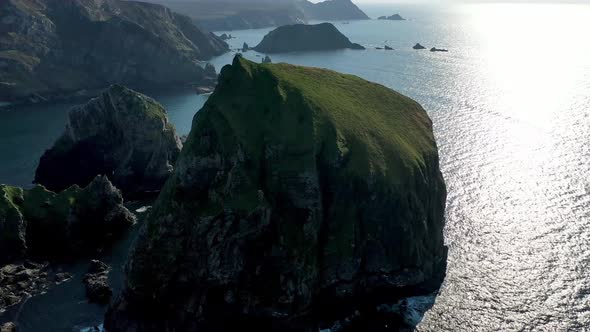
<point>510,104</point>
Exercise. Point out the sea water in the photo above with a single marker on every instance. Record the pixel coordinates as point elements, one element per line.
<point>510,104</point>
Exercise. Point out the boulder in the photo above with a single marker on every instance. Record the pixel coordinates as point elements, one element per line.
<point>418,47</point>
<point>8,327</point>
<point>301,196</point>
<point>97,285</point>
<point>302,37</point>
<point>122,134</point>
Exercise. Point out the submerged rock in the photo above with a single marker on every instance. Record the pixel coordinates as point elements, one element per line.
<point>434,49</point>
<point>123,134</point>
<point>419,47</point>
<point>301,194</point>
<point>97,285</point>
<point>302,37</point>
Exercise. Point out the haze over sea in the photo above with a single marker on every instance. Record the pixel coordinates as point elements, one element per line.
<point>510,104</point>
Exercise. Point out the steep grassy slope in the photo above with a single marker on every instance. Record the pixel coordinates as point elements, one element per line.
<point>53,48</point>
<point>301,194</point>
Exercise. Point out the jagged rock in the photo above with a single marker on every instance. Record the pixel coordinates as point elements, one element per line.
<point>12,225</point>
<point>8,327</point>
<point>388,48</point>
<point>123,134</point>
<point>394,17</point>
<point>97,285</point>
<point>69,223</point>
<point>19,281</point>
<point>245,47</point>
<point>300,194</point>
<point>302,37</point>
<point>418,47</point>
<point>267,59</point>
<point>434,49</point>
<point>51,49</point>
<point>225,36</point>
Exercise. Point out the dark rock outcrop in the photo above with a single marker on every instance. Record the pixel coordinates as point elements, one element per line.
<point>419,47</point>
<point>266,59</point>
<point>394,17</point>
<point>19,281</point>
<point>434,49</point>
<point>388,48</point>
<point>123,134</point>
<point>301,37</point>
<point>67,224</point>
<point>8,327</point>
<point>301,196</point>
<point>245,47</point>
<point>97,285</point>
<point>53,49</point>
<point>225,36</point>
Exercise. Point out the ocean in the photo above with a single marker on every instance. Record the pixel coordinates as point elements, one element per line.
<point>510,103</point>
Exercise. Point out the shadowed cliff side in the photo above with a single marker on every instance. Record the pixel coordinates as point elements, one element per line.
<point>123,134</point>
<point>50,49</point>
<point>301,196</point>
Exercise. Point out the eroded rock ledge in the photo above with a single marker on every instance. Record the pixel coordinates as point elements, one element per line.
<point>301,196</point>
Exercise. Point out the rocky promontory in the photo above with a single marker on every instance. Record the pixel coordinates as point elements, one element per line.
<point>302,196</point>
<point>123,134</point>
<point>52,49</point>
<point>302,37</point>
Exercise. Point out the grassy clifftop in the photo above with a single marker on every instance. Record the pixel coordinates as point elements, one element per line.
<point>378,131</point>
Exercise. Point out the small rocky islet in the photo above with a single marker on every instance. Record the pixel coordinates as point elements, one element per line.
<point>303,37</point>
<point>297,202</point>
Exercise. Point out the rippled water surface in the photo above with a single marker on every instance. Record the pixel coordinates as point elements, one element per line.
<point>510,104</point>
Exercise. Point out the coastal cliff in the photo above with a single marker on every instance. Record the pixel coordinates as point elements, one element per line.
<point>301,196</point>
<point>302,37</point>
<point>123,134</point>
<point>227,15</point>
<point>52,49</point>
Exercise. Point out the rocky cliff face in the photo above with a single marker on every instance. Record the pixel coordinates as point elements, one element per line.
<point>122,134</point>
<point>301,37</point>
<point>332,10</point>
<point>215,15</point>
<point>300,196</point>
<point>38,223</point>
<point>53,48</point>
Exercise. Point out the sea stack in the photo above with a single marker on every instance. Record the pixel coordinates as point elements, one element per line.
<point>301,193</point>
<point>302,37</point>
<point>123,134</point>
